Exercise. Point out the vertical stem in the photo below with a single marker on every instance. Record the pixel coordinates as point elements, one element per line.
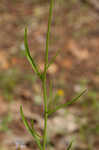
<point>44,77</point>
<point>45,113</point>
<point>48,33</point>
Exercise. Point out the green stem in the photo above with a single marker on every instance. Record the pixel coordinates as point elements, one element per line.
<point>48,33</point>
<point>45,113</point>
<point>44,77</point>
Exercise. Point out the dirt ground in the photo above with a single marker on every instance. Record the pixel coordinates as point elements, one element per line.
<point>75,32</point>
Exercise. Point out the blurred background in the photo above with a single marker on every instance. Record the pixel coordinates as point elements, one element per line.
<point>75,32</point>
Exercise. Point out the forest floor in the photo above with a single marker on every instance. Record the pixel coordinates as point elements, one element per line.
<point>75,32</point>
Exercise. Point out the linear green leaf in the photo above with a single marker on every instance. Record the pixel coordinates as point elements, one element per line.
<point>30,129</point>
<point>68,103</point>
<point>30,59</point>
<point>70,145</point>
<point>32,124</point>
<point>53,59</point>
<point>48,33</point>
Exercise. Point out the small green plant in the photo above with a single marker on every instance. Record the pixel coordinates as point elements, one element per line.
<point>42,140</point>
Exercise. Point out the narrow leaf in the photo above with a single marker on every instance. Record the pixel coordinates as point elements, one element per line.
<point>29,128</point>
<point>68,103</point>
<point>30,59</point>
<point>70,145</point>
<point>53,59</point>
<point>37,135</point>
<point>48,34</point>
<point>32,126</point>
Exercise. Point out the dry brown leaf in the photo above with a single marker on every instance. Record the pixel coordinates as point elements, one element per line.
<point>77,51</point>
<point>3,106</point>
<point>53,69</point>
<point>66,63</point>
<point>3,61</point>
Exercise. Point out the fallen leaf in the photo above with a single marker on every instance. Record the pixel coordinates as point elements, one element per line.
<point>53,69</point>
<point>3,61</point>
<point>77,51</point>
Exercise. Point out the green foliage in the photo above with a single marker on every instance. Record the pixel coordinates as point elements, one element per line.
<point>31,129</point>
<point>43,78</point>
<point>67,103</point>
<point>30,59</point>
<point>70,145</point>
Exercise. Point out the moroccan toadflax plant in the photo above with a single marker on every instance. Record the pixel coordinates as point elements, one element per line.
<point>42,77</point>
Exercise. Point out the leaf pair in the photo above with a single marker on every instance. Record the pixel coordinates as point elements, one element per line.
<point>67,103</point>
<point>31,60</point>
<point>31,129</point>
